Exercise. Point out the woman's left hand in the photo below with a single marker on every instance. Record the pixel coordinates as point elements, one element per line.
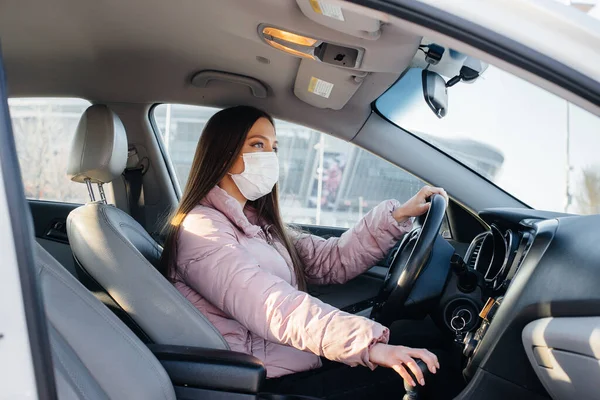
<point>418,204</point>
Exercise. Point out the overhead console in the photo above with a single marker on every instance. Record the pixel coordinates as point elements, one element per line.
<point>327,77</point>
<point>319,50</point>
<point>336,56</point>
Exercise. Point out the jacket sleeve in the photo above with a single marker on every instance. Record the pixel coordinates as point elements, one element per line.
<point>228,276</point>
<point>337,260</point>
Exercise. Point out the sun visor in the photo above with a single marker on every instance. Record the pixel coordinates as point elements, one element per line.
<point>323,86</point>
<point>333,16</point>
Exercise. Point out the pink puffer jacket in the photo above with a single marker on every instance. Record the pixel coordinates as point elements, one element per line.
<point>243,283</point>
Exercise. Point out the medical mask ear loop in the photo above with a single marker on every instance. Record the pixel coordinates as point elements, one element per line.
<point>242,157</point>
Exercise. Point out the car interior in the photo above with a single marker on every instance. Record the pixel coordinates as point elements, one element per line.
<point>513,291</point>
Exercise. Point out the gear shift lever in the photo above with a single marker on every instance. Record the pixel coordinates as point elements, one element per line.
<point>412,392</point>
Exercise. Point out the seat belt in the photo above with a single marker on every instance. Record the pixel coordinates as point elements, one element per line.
<point>133,176</point>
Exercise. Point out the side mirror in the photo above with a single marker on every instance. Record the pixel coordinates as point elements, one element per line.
<point>435,92</point>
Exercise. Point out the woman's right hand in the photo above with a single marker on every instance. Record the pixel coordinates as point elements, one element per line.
<point>400,357</point>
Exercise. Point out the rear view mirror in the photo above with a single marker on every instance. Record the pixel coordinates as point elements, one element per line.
<point>435,92</point>
<point>406,99</point>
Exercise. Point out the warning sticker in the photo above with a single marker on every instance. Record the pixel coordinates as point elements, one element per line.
<point>327,9</point>
<point>320,87</point>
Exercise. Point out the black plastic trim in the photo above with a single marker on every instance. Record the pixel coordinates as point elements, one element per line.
<point>321,230</point>
<point>46,214</point>
<point>514,216</point>
<point>55,203</point>
<point>211,369</point>
<point>22,229</point>
<point>359,306</point>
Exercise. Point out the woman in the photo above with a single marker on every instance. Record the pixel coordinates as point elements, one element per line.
<point>228,252</point>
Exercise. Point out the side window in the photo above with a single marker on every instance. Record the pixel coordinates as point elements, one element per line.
<point>43,130</point>
<point>324,180</point>
<point>329,182</point>
<point>180,127</point>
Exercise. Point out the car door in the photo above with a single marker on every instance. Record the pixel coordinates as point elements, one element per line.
<point>326,185</point>
<point>43,130</point>
<point>353,296</point>
<point>25,360</point>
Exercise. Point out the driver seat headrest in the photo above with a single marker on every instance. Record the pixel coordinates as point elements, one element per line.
<point>99,149</point>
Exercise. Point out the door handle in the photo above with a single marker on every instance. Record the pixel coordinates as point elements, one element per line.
<point>57,231</point>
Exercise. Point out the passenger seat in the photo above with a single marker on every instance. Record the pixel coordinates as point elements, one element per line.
<point>117,252</point>
<point>95,356</point>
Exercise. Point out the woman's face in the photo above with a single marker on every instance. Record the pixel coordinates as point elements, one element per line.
<point>261,138</point>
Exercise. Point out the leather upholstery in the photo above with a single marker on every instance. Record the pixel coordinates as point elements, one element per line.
<point>91,348</point>
<point>121,256</point>
<point>117,251</point>
<point>99,149</point>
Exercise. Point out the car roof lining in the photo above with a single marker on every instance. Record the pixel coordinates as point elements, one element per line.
<point>147,52</point>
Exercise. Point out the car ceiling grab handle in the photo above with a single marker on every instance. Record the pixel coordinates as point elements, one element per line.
<point>202,78</point>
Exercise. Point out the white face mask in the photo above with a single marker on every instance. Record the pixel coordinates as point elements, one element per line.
<point>261,172</point>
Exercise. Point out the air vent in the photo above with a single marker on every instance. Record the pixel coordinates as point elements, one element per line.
<point>474,249</point>
<point>473,256</point>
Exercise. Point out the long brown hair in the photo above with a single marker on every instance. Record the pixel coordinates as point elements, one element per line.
<point>220,144</point>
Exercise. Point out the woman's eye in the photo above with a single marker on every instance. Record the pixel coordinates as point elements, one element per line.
<point>275,149</point>
<point>258,145</point>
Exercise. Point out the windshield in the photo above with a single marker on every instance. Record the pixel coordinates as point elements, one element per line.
<point>529,142</point>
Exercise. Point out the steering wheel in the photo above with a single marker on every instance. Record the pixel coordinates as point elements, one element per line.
<point>408,262</point>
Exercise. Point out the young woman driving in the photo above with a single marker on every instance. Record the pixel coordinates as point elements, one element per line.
<point>230,254</point>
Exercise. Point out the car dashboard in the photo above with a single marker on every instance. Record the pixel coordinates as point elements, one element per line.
<point>533,265</point>
<point>496,255</point>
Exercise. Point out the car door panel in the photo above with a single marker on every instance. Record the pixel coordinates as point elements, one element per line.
<point>348,296</point>
<point>322,231</point>
<point>354,294</point>
<point>50,227</point>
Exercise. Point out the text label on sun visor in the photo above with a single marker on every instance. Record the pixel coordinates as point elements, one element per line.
<point>320,87</point>
<point>327,9</point>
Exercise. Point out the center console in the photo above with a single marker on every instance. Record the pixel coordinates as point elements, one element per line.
<point>472,339</point>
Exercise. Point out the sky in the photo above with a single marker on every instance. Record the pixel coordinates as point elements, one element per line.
<point>528,125</point>
<point>578,1</point>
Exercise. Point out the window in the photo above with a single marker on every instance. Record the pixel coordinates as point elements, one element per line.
<point>324,181</point>
<point>43,130</point>
<point>531,143</point>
